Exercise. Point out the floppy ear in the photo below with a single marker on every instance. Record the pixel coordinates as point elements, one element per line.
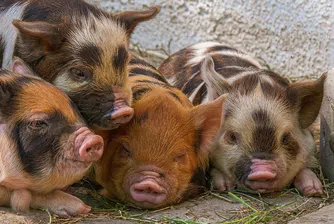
<point>207,118</point>
<point>308,98</point>
<point>130,19</point>
<point>40,34</point>
<point>19,66</point>
<point>216,83</point>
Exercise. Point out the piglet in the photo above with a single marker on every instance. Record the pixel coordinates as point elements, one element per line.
<point>45,144</point>
<point>160,156</point>
<point>264,143</point>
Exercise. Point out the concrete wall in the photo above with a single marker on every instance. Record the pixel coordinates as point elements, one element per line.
<point>295,37</point>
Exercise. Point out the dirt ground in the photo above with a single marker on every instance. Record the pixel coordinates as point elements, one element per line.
<point>211,207</point>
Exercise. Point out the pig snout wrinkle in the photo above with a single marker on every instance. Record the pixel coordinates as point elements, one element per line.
<point>148,190</point>
<point>262,170</point>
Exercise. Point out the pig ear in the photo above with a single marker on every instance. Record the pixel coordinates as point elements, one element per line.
<point>130,19</point>
<point>48,34</point>
<point>207,119</point>
<point>19,66</point>
<point>308,97</point>
<point>216,83</point>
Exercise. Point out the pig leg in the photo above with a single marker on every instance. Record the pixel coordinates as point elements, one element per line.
<point>60,203</point>
<point>5,196</point>
<point>308,183</point>
<point>220,181</point>
<point>20,200</point>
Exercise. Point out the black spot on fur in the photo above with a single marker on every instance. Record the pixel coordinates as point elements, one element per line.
<point>147,72</point>
<point>262,155</point>
<point>264,136</point>
<point>246,84</point>
<point>242,169</point>
<point>191,85</point>
<point>175,96</point>
<point>227,113</point>
<point>36,12</point>
<point>137,94</point>
<point>219,48</point>
<point>120,59</point>
<point>260,116</point>
<point>222,61</point>
<point>230,71</point>
<point>137,61</point>
<point>155,83</point>
<point>290,145</point>
<point>38,149</point>
<point>94,104</point>
<point>91,54</point>
<point>202,92</point>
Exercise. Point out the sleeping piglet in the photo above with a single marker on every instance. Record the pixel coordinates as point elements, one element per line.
<point>45,144</point>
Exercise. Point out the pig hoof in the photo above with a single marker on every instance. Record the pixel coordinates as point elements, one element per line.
<point>308,183</point>
<point>220,181</point>
<point>72,211</point>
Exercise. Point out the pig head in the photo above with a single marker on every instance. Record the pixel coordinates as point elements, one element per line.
<point>77,47</point>
<point>150,162</point>
<point>45,145</point>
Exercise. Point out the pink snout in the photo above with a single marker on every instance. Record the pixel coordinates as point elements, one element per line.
<point>262,176</point>
<point>121,114</point>
<point>148,190</point>
<point>262,170</point>
<point>89,145</point>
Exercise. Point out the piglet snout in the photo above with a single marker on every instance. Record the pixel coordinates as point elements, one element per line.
<point>120,114</point>
<point>149,191</point>
<point>89,145</point>
<point>262,170</point>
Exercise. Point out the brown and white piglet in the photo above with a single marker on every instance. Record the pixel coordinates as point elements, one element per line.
<point>77,47</point>
<point>264,143</point>
<point>152,161</point>
<point>45,144</point>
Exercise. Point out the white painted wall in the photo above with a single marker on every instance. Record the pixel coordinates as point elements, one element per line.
<point>295,37</point>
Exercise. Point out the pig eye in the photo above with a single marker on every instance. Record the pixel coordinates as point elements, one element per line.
<point>285,139</point>
<point>180,158</point>
<point>80,74</point>
<point>232,138</point>
<point>38,124</point>
<point>125,151</point>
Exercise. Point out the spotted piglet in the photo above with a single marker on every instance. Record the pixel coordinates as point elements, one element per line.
<point>45,144</point>
<point>159,157</point>
<point>264,143</point>
<point>77,47</point>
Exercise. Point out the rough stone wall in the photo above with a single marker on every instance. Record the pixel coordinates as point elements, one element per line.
<point>295,37</point>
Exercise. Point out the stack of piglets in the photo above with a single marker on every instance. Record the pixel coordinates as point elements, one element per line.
<point>264,143</point>
<point>159,157</point>
<point>45,145</point>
